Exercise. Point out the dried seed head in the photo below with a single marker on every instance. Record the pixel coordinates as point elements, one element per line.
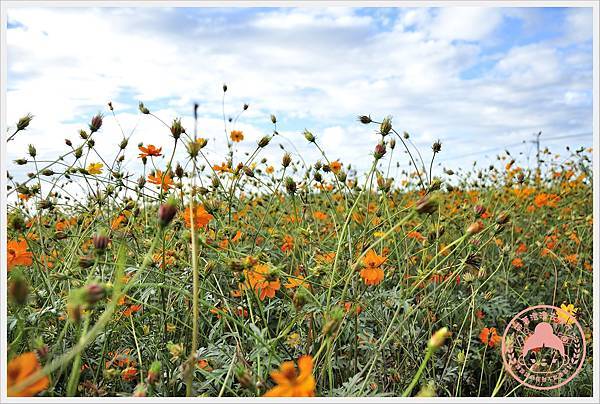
<point>179,171</point>
<point>437,146</point>
<point>245,107</point>
<point>503,218</point>
<point>193,148</point>
<point>224,87</point>
<point>286,160</point>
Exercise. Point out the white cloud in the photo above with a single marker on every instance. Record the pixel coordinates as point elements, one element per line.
<point>312,67</point>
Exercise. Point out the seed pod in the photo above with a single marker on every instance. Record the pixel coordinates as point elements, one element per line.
<point>21,161</point>
<point>32,151</point>
<point>286,160</point>
<point>123,144</point>
<point>273,119</point>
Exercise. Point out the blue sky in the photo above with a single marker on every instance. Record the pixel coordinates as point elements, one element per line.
<point>476,78</point>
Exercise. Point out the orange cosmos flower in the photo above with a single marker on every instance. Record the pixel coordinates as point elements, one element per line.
<point>372,260</point>
<point>129,374</point>
<point>201,217</point>
<point>150,150</point>
<point>490,337</point>
<point>295,282</point>
<point>335,166</point>
<point>237,135</point>
<point>288,243</point>
<point>162,179</point>
<point>517,263</point>
<point>19,369</point>
<point>18,254</point>
<point>292,382</point>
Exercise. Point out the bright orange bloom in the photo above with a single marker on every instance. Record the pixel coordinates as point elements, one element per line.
<point>415,235</point>
<point>201,217</point>
<point>116,222</point>
<point>162,179</point>
<point>237,135</point>
<point>335,166</point>
<point>19,369</point>
<point>543,199</point>
<point>288,244</point>
<point>262,281</point>
<point>372,260</point>
<point>295,282</point>
<point>490,337</point>
<point>18,254</point>
<point>372,276</point>
<point>320,215</point>
<point>517,263</point>
<point>521,249</point>
<point>129,374</point>
<point>134,308</point>
<point>150,150</point>
<point>292,382</point>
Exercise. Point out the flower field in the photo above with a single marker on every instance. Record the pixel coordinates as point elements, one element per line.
<point>252,277</point>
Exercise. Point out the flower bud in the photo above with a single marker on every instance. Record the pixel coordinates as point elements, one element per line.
<point>176,128</point>
<point>386,126</point>
<point>475,228</point>
<point>309,136</point>
<point>286,160</point>
<point>153,373</point>
<point>166,213</point>
<point>479,210</point>
<point>365,119</point>
<point>224,87</point>
<point>264,141</point>
<point>93,293</point>
<point>78,152</point>
<point>96,123</point>
<point>32,151</point>
<point>438,338</point>
<point>379,151</point>
<point>123,144</point>
<point>143,109</point>
<point>290,185</point>
<point>100,241</point>
<point>24,122</point>
<point>503,218</point>
<point>427,204</point>
<point>273,118</point>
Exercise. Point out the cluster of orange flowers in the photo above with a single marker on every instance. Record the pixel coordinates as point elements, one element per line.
<point>372,274</point>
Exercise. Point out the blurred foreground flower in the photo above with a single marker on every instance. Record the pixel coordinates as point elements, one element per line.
<point>19,369</point>
<point>292,382</point>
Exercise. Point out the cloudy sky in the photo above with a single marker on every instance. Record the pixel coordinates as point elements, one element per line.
<point>479,79</point>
